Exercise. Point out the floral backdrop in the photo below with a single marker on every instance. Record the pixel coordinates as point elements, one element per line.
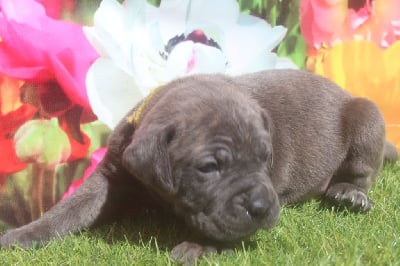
<point>69,70</point>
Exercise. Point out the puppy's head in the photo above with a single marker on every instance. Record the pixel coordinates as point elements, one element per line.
<point>204,147</point>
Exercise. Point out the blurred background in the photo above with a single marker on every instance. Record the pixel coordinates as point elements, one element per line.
<point>50,139</point>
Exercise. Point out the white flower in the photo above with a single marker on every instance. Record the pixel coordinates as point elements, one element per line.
<point>142,47</point>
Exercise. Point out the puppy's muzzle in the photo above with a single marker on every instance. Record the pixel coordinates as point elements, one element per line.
<point>260,204</point>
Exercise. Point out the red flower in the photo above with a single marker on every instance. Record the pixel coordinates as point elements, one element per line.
<point>9,162</point>
<point>13,113</point>
<point>39,49</point>
<point>79,141</point>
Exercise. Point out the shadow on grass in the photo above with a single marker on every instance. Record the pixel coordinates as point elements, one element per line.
<point>160,230</point>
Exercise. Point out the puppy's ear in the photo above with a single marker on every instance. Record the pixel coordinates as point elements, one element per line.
<point>146,157</point>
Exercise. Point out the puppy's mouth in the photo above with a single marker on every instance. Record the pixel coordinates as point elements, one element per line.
<point>236,220</point>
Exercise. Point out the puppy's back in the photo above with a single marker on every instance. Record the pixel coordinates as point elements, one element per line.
<point>306,114</point>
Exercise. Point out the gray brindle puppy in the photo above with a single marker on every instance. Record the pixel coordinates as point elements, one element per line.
<point>225,153</point>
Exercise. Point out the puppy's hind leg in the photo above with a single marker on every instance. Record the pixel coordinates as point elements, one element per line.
<point>391,155</point>
<point>364,133</point>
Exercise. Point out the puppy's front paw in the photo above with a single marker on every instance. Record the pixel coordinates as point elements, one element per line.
<point>187,252</point>
<point>349,196</point>
<point>17,237</point>
<point>30,235</point>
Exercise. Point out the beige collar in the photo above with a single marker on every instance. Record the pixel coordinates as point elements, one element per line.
<point>137,114</point>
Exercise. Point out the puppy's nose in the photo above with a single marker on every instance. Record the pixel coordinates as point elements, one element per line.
<point>258,208</point>
<point>258,204</point>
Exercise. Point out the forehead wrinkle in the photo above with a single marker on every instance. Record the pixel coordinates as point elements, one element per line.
<point>223,111</point>
<point>242,125</point>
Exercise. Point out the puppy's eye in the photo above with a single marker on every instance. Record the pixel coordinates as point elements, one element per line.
<point>208,167</point>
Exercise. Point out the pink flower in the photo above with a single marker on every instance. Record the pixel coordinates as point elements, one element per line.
<point>325,22</point>
<point>96,158</point>
<point>37,48</point>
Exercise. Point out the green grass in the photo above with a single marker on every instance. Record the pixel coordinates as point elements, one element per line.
<point>307,234</point>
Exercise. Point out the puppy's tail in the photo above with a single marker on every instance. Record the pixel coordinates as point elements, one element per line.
<point>390,155</point>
